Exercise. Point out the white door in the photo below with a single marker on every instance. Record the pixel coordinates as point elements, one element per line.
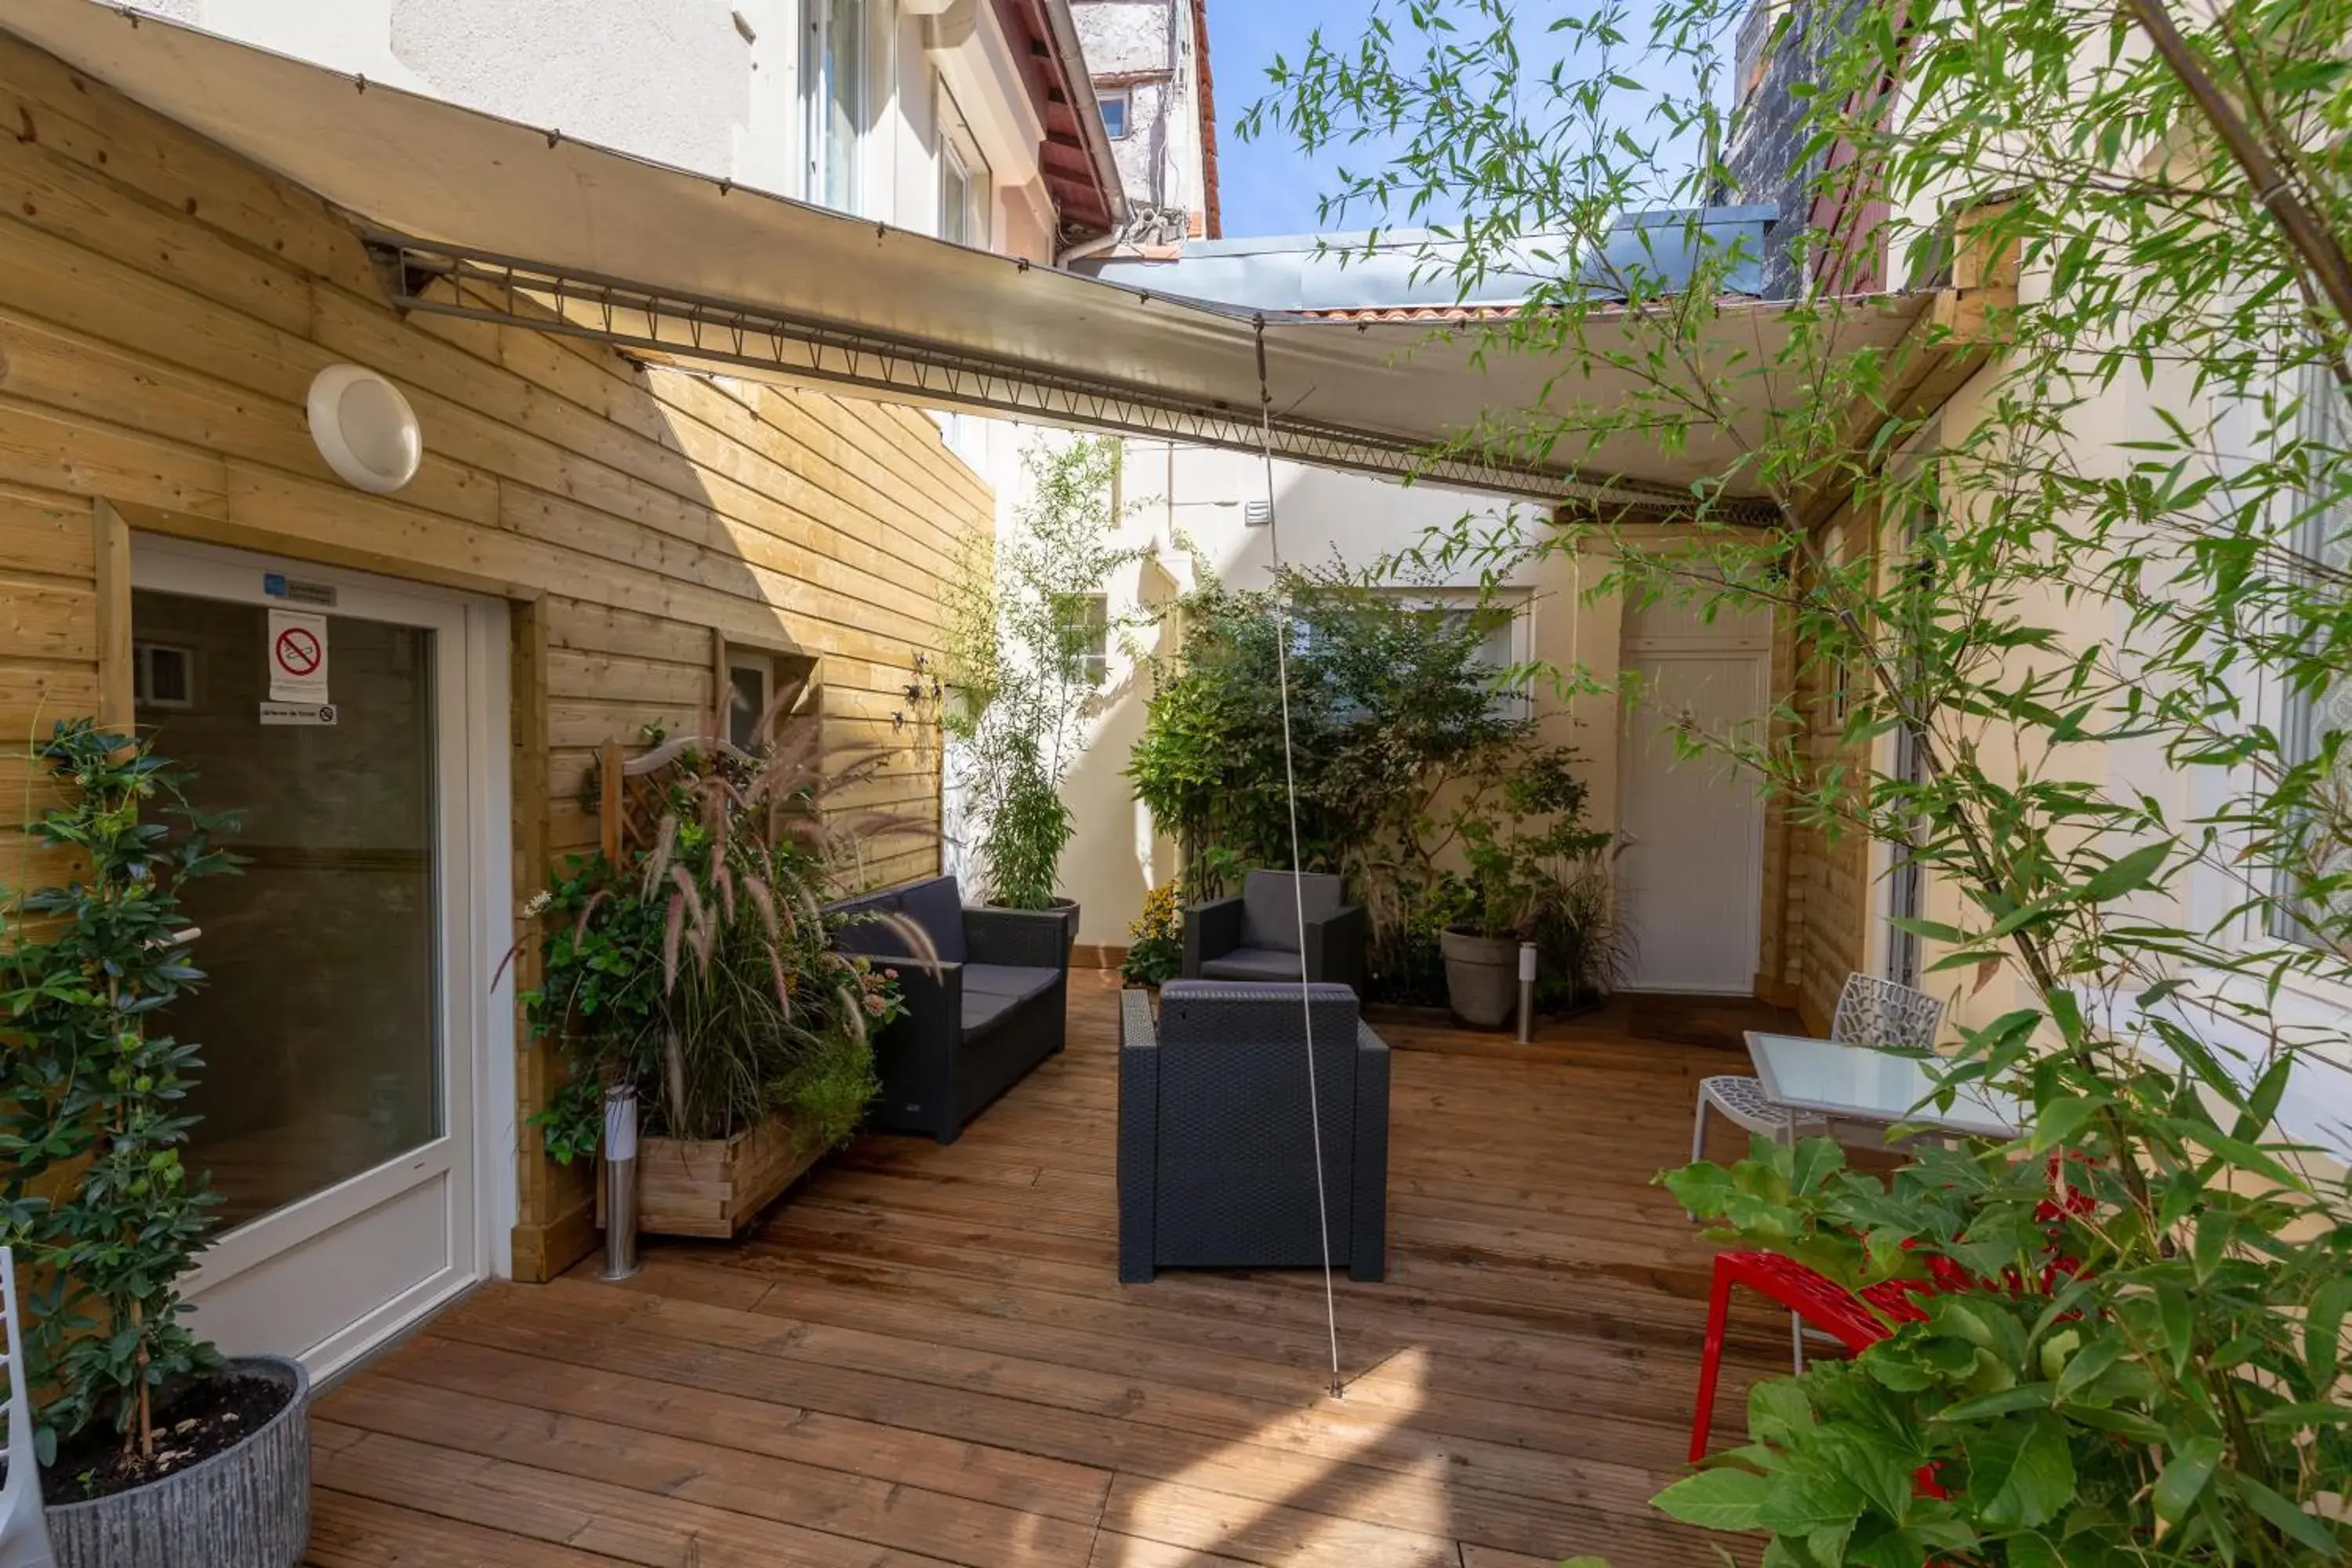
<point>348,1032</point>
<point>1690,879</point>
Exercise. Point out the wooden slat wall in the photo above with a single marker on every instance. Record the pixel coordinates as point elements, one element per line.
<point>163,307</point>
<point>1830,888</point>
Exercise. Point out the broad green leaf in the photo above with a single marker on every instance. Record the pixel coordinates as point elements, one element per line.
<point>1777,1408</point>
<point>2282,1511</point>
<point>1718,1499</point>
<point>2025,1396</point>
<point>2177,1319</point>
<point>2021,1473</point>
<point>2128,874</point>
<point>2184,1477</point>
<point>2323,1330</point>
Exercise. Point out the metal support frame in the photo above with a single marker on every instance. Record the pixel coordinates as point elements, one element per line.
<point>481,285</point>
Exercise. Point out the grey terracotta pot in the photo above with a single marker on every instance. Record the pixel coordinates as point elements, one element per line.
<point>247,1506</point>
<point>1481,976</point>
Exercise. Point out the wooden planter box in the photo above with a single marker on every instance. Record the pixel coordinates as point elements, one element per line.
<point>703,1186</point>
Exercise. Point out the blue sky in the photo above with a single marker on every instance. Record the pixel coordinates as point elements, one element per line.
<point>1266,186</point>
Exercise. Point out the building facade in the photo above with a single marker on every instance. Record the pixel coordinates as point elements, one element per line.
<point>1702,871</point>
<point>1150,63</point>
<point>593,549</point>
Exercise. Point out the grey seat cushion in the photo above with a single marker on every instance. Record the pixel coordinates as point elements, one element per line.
<point>1015,982</point>
<point>982,1012</point>
<point>1251,963</point>
<point>1270,908</point>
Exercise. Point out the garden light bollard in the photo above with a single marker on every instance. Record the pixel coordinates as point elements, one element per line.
<point>1526,991</point>
<point>620,1183</point>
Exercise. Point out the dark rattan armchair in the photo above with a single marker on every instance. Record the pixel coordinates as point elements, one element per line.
<point>1216,1146</point>
<point>1256,935</point>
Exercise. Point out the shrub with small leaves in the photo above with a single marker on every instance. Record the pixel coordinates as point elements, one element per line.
<point>1155,949</point>
<point>92,1188</point>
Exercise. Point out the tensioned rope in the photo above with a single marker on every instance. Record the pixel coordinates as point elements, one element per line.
<point>1297,865</point>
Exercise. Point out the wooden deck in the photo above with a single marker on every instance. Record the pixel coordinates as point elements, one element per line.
<point>924,1356</point>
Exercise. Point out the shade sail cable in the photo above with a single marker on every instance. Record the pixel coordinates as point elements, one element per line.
<point>1297,866</point>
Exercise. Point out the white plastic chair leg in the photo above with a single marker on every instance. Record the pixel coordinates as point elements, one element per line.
<point>1698,1139</point>
<point>23,1532</point>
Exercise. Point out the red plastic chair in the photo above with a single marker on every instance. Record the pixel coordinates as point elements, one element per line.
<point>1859,1322</point>
<point>1856,1321</point>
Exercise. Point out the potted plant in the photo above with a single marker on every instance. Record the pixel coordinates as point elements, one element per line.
<point>1028,631</point>
<point>1155,949</point>
<point>155,1451</point>
<point>1540,883</point>
<point>695,973</point>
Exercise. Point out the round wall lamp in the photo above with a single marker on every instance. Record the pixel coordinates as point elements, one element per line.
<point>365,428</point>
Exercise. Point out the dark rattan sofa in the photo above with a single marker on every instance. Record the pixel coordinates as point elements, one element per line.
<point>995,1008</point>
<point>1216,1166</point>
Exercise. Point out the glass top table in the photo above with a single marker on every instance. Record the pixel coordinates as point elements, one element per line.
<point>1855,1083</point>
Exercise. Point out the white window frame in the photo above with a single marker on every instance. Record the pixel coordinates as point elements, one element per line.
<point>2305,1005</point>
<point>477,914</point>
<point>1125,98</point>
<point>1518,604</point>
<point>960,155</point>
<point>2295,714</point>
<point>143,676</point>
<point>1093,671</point>
<point>748,661</point>
<point>817,101</point>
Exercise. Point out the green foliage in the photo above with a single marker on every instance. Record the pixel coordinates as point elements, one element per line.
<point>1418,774</point>
<point>1020,621</point>
<point>2084,1396</point>
<point>826,1089</point>
<point>700,973</point>
<point>92,1188</point>
<point>2090,632</point>
<point>1517,871</point>
<point>1027,831</point>
<point>1155,948</point>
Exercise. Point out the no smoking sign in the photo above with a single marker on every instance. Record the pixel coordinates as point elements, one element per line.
<point>297,656</point>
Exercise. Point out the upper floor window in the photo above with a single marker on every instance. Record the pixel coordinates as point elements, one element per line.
<point>1086,632</point>
<point>2318,721</point>
<point>1115,105</point>
<point>834,81</point>
<point>963,181</point>
<point>1498,629</point>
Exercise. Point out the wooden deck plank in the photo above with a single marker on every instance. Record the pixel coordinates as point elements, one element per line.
<point>925,1356</point>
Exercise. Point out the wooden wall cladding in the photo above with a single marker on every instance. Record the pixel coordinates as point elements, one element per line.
<point>163,306</point>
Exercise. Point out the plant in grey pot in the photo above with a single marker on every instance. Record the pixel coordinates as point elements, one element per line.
<point>1534,876</point>
<point>155,1452</point>
<point>1029,633</point>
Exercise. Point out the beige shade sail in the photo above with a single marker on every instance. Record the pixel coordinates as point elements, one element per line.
<point>472,215</point>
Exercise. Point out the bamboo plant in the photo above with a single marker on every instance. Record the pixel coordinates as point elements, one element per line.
<point>2074,646</point>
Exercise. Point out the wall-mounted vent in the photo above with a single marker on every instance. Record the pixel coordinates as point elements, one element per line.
<point>1257,513</point>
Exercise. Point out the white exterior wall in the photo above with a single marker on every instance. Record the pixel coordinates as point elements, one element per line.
<point>1179,500</point>
<point>2319,1107</point>
<point>680,84</point>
